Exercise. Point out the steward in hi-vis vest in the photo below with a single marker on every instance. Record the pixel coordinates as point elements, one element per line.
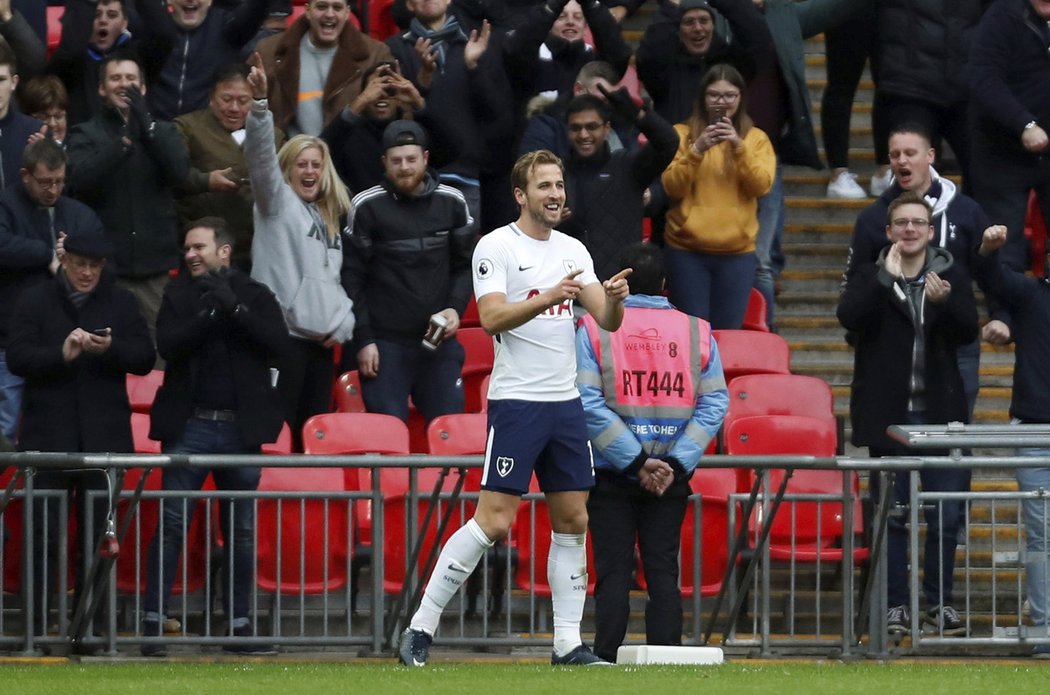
<point>654,396</point>
<point>653,389</point>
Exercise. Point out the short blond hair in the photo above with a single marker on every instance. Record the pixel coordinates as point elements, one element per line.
<point>527,163</point>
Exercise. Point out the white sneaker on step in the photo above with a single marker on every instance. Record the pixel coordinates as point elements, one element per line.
<point>845,186</point>
<point>880,182</point>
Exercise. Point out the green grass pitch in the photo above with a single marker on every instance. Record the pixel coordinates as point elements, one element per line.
<point>971,676</point>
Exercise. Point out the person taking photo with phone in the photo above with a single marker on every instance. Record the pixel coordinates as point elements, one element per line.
<point>710,237</point>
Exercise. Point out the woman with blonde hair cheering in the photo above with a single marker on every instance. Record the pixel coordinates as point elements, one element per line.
<point>297,252</point>
<point>724,164</point>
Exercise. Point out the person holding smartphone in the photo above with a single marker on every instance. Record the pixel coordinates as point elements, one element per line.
<point>723,165</point>
<point>74,338</point>
<point>217,184</point>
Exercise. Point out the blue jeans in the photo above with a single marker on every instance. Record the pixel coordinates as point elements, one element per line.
<point>11,387</point>
<point>431,378</point>
<point>206,437</point>
<point>771,211</point>
<point>714,288</point>
<point>1035,528</point>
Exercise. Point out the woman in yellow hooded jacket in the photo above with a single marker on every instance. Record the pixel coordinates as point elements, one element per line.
<point>724,164</point>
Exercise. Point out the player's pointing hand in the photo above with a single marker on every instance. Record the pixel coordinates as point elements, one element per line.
<point>616,287</point>
<point>568,288</point>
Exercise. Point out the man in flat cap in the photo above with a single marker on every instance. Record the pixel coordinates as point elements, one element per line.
<point>74,339</point>
<point>407,269</point>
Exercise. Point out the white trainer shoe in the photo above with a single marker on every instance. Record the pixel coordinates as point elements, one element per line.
<point>880,182</point>
<point>845,186</point>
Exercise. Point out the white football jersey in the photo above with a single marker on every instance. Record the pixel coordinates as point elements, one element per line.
<point>537,360</point>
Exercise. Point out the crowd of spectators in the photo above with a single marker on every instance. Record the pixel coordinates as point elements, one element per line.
<point>152,114</point>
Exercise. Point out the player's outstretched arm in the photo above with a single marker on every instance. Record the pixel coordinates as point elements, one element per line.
<point>498,315</point>
<point>605,301</point>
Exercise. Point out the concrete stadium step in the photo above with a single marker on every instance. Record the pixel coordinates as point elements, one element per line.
<point>815,254</point>
<point>825,211</point>
<point>812,184</point>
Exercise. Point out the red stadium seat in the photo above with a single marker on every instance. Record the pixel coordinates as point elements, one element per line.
<point>1035,232</point>
<point>352,434</point>
<point>355,433</point>
<point>633,84</point>
<point>381,24</point>
<point>132,567</point>
<point>462,434</point>
<point>752,352</point>
<point>54,28</point>
<point>530,574</point>
<point>283,445</point>
<point>140,435</point>
<point>143,389</point>
<point>802,531</point>
<point>755,316</point>
<point>714,485</point>
<point>779,394</point>
<point>348,393</point>
<point>483,394</point>
<point>470,317</point>
<point>12,522</point>
<point>396,501</point>
<point>306,541</point>
<point>480,354</point>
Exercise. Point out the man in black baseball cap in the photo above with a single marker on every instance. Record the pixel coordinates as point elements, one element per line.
<point>403,132</point>
<point>408,266</point>
<point>405,156</point>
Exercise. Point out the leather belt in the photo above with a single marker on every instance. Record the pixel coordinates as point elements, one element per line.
<point>215,415</point>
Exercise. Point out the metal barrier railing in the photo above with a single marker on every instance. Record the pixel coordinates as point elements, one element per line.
<point>501,606</point>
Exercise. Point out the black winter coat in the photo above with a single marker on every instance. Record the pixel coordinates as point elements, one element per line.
<point>871,308</point>
<point>604,193</point>
<point>257,338</point>
<point>131,189</point>
<point>82,405</point>
<point>924,48</point>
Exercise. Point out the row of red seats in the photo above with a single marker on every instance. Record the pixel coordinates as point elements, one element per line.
<point>316,563</point>
<point>772,395</point>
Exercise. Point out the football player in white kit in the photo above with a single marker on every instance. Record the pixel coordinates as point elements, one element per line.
<point>526,277</point>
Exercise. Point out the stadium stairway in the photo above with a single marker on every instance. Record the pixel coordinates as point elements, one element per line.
<point>816,240</point>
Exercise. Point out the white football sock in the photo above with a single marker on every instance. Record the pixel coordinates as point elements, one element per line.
<point>457,560</point>
<point>567,576</point>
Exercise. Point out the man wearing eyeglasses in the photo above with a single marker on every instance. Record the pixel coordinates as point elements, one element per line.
<point>607,191</point>
<point>909,312</point>
<point>34,216</point>
<point>958,221</point>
